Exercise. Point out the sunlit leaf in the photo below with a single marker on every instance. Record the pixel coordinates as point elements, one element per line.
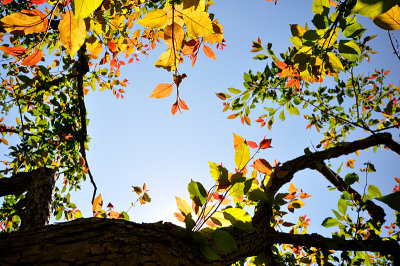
<point>97,204</point>
<point>183,206</point>
<point>209,52</point>
<point>373,8</point>
<point>242,156</point>
<point>198,23</point>
<point>24,22</point>
<point>33,58</point>
<point>389,20</point>
<point>154,19</point>
<point>162,90</point>
<point>72,33</point>
<point>263,166</point>
<point>239,218</point>
<point>329,222</point>
<point>84,8</point>
<point>14,51</point>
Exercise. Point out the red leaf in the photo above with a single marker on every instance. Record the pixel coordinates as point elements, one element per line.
<point>183,105</point>
<point>38,2</point>
<point>397,179</point>
<point>33,58</point>
<point>386,72</point>
<point>5,2</point>
<point>14,51</point>
<point>259,40</point>
<point>287,224</point>
<point>130,60</point>
<point>252,144</point>
<point>209,52</point>
<point>265,143</point>
<point>260,120</point>
<point>110,206</point>
<point>112,46</point>
<point>281,65</point>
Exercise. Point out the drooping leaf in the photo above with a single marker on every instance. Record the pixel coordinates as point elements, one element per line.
<point>373,8</point>
<point>209,52</point>
<point>168,60</point>
<point>237,141</point>
<point>389,20</point>
<point>154,19</point>
<point>224,241</point>
<point>176,32</point>
<point>242,156</point>
<point>84,8</point>
<point>72,33</point>
<point>239,218</point>
<point>218,172</point>
<point>97,203</point>
<point>198,23</point>
<point>319,6</point>
<point>14,51</point>
<point>25,22</point>
<point>161,91</point>
<point>263,166</point>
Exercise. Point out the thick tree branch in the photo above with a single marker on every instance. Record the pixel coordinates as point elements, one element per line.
<point>15,185</point>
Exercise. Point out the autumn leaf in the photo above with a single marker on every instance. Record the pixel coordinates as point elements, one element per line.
<point>161,91</point>
<point>113,215</point>
<point>14,51</point>
<point>154,19</point>
<point>72,33</point>
<point>175,31</point>
<point>304,195</point>
<point>179,216</point>
<point>237,141</point>
<point>168,60</point>
<point>174,108</point>
<point>292,188</point>
<point>183,206</point>
<point>389,20</point>
<point>265,143</point>
<point>209,52</point>
<point>217,36</point>
<point>33,58</point>
<point>25,22</point>
<point>350,163</point>
<point>84,8</point>
<point>191,47</point>
<point>198,23</point>
<point>242,156</point>
<point>183,105</point>
<point>263,166</point>
<point>97,204</point>
<point>4,141</point>
<point>252,144</point>
<point>5,2</point>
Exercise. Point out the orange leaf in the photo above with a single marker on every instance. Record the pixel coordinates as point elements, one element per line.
<point>304,195</point>
<point>183,206</point>
<point>332,3</point>
<point>265,143</point>
<point>174,108</point>
<point>252,144</point>
<point>5,2</point>
<point>209,52</point>
<point>179,216</point>
<point>33,58</point>
<point>97,203</point>
<point>4,141</point>
<point>233,116</point>
<point>14,51</point>
<point>386,72</point>
<point>281,65</point>
<point>350,163</point>
<point>25,22</point>
<point>211,223</point>
<point>290,196</point>
<point>292,188</point>
<point>183,105</point>
<point>397,179</point>
<point>237,141</point>
<point>263,166</point>
<point>162,90</point>
<point>191,47</point>
<point>113,215</point>
<point>112,46</point>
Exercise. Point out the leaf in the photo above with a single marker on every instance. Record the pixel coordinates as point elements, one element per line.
<point>351,178</point>
<point>161,91</point>
<point>224,241</point>
<point>334,61</point>
<point>14,51</point>
<point>175,31</point>
<point>138,190</point>
<point>218,172</point>
<point>197,193</point>
<point>209,52</point>
<point>239,218</point>
<point>84,8</point>
<point>242,156</point>
<point>392,200</point>
<point>217,36</point>
<point>33,58</point>
<point>389,20</point>
<point>4,141</point>
<point>72,33</point>
<point>374,191</point>
<point>350,163</point>
<point>265,143</point>
<point>154,19</point>
<point>183,206</point>
<point>342,206</point>
<point>349,50</point>
<point>183,105</point>
<point>237,141</point>
<point>319,6</point>
<point>329,222</point>
<point>97,204</point>
<point>198,23</point>
<point>25,22</point>
<point>373,8</point>
<point>292,188</point>
<point>174,108</point>
<point>168,60</point>
<point>263,166</point>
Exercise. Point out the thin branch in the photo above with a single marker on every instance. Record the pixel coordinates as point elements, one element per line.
<point>394,49</point>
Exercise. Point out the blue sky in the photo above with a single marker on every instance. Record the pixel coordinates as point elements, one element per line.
<point>137,139</point>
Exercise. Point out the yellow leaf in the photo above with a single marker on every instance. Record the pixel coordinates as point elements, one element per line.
<point>97,203</point>
<point>175,32</point>
<point>329,40</point>
<point>168,60</point>
<point>297,30</point>
<point>72,33</point>
<point>297,203</point>
<point>198,23</point>
<point>83,8</point>
<point>18,121</point>
<point>389,20</point>
<point>217,36</point>
<point>183,206</point>
<point>334,61</point>
<point>154,19</point>
<point>237,141</point>
<point>176,16</point>
<point>4,141</point>
<point>194,4</point>
<point>25,22</point>
<point>161,91</point>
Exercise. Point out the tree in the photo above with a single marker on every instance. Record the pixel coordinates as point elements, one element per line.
<point>51,123</point>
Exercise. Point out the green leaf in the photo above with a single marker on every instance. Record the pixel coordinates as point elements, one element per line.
<point>242,156</point>
<point>282,115</point>
<point>329,222</point>
<point>353,30</point>
<point>189,222</point>
<point>209,253</point>
<point>320,6</point>
<point>261,57</point>
<point>349,50</point>
<point>392,200</point>
<point>373,8</point>
<point>374,191</point>
<point>338,216</point>
<point>124,216</point>
<point>256,193</point>
<point>351,178</point>
<point>197,193</point>
<point>239,218</point>
<point>224,241</point>
<point>218,172</point>
<point>83,8</point>
<point>334,61</point>
<point>342,206</point>
<point>234,91</point>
